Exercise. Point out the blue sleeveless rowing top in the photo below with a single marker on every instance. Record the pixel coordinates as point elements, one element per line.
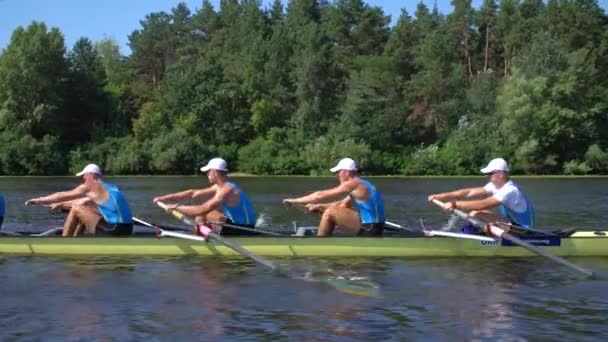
<point>115,209</point>
<point>1,205</point>
<point>242,213</point>
<point>525,219</point>
<point>371,210</point>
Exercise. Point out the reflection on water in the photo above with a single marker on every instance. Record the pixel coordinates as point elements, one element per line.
<point>198,298</point>
<point>474,299</point>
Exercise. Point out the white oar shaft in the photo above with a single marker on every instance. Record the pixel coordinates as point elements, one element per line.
<point>398,226</point>
<point>502,234</point>
<point>446,234</point>
<point>144,223</point>
<point>459,235</point>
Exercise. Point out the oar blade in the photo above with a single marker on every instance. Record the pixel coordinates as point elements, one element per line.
<point>355,287</point>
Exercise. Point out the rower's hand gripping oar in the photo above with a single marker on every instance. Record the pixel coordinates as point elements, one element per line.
<point>504,235</point>
<point>211,234</point>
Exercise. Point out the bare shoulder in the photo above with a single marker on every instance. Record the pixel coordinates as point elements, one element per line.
<point>352,184</point>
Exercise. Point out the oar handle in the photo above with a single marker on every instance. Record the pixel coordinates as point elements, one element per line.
<point>185,219</point>
<point>462,214</point>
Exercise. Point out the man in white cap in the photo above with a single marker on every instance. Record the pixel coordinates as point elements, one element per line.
<point>236,209</point>
<point>499,193</point>
<point>95,207</point>
<point>367,220</point>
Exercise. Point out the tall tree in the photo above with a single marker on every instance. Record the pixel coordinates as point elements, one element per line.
<point>487,27</point>
<point>357,28</point>
<point>152,48</point>
<point>86,103</point>
<point>113,62</point>
<point>508,33</point>
<point>33,71</point>
<point>460,28</point>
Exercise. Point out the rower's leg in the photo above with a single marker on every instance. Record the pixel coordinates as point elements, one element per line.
<point>88,218</point>
<point>79,229</point>
<point>70,224</point>
<point>491,217</point>
<point>213,216</point>
<point>346,218</point>
<point>486,216</point>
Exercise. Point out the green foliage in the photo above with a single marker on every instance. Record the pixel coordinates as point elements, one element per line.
<point>597,159</point>
<point>290,90</point>
<point>117,155</point>
<point>177,152</point>
<point>324,152</point>
<point>33,70</point>
<point>275,153</point>
<point>574,167</point>
<point>422,161</point>
<point>22,154</point>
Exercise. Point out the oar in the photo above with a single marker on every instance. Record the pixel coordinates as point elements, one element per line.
<point>341,285</point>
<point>430,232</point>
<point>504,235</point>
<point>398,226</point>
<point>234,246</point>
<point>185,229</point>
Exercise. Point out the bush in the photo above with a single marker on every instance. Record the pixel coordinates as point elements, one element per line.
<point>114,155</point>
<point>22,154</point>
<point>326,151</point>
<point>275,154</point>
<point>177,152</point>
<point>423,161</point>
<point>574,167</point>
<point>597,159</point>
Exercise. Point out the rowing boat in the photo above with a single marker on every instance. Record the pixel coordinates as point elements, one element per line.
<point>578,244</point>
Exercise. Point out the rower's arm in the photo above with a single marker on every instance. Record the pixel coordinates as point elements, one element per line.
<point>321,207</point>
<point>319,196</point>
<point>346,202</point>
<point>182,195</point>
<point>458,194</point>
<point>483,204</point>
<point>67,205</point>
<point>176,196</point>
<point>204,192</point>
<point>203,209</point>
<point>61,196</point>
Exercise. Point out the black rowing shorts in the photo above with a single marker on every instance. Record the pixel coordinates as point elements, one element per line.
<point>371,229</point>
<point>113,229</point>
<point>234,231</point>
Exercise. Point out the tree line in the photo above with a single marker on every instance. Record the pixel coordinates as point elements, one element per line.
<point>291,89</point>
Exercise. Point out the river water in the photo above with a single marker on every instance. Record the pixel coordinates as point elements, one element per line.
<point>190,298</point>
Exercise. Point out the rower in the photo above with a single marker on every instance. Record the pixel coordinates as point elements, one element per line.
<point>225,195</point>
<point>1,210</point>
<point>361,194</point>
<point>499,193</point>
<point>95,207</point>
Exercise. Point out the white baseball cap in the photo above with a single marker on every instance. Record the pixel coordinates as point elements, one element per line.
<point>345,164</point>
<point>215,164</point>
<point>497,164</point>
<point>91,168</point>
